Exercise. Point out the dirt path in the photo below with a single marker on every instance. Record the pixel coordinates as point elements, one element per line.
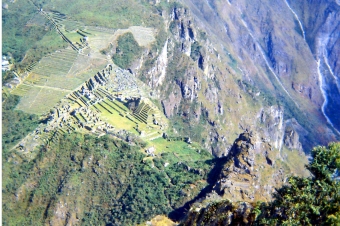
<point>50,87</point>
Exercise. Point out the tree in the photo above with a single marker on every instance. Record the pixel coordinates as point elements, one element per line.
<point>309,201</point>
<point>127,51</point>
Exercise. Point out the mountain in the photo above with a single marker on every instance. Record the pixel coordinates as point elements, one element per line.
<point>174,102</point>
<point>255,58</point>
<point>310,200</point>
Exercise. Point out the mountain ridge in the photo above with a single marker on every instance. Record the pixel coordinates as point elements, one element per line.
<point>212,100</point>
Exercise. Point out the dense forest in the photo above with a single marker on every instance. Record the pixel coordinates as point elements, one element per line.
<point>15,124</point>
<point>308,201</point>
<point>103,180</point>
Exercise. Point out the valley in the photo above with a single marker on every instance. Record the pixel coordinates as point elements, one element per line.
<point>141,112</point>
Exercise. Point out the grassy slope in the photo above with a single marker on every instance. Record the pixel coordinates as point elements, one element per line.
<point>38,41</point>
<point>111,14</point>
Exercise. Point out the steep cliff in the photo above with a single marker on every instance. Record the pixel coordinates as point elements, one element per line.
<point>253,169</point>
<point>254,83</point>
<point>294,204</point>
<point>221,213</point>
<point>224,66</point>
<point>321,24</point>
<point>251,172</point>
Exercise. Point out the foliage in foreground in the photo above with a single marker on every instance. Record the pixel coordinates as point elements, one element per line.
<point>309,201</point>
<point>305,201</point>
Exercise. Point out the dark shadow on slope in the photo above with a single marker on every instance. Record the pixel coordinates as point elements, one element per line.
<point>213,176</point>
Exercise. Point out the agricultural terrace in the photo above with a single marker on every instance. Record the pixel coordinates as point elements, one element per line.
<point>49,80</point>
<point>111,14</point>
<point>110,102</point>
<point>143,35</point>
<point>61,72</point>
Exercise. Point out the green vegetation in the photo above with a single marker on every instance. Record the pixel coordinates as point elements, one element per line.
<point>220,213</point>
<point>102,180</point>
<point>26,39</point>
<point>305,201</point>
<point>183,150</point>
<point>49,43</point>
<point>309,201</point>
<point>117,120</point>
<point>7,76</point>
<point>18,38</point>
<point>266,97</point>
<point>232,61</point>
<point>39,100</point>
<point>187,126</point>
<point>196,49</point>
<point>15,124</point>
<point>113,14</point>
<point>29,36</point>
<point>127,51</point>
<point>160,40</point>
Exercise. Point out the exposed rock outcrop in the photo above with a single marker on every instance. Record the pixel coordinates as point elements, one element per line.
<point>252,170</point>
<point>246,175</point>
<point>293,133</point>
<point>220,213</point>
<point>250,63</point>
<point>236,178</point>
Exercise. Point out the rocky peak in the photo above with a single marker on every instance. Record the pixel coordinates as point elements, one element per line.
<point>182,28</point>
<point>236,178</point>
<point>252,169</point>
<point>246,175</point>
<point>220,213</point>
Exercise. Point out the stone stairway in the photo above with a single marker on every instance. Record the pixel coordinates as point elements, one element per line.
<point>142,112</point>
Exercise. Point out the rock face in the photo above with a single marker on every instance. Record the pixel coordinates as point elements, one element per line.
<point>158,72</point>
<point>170,104</point>
<point>253,169</point>
<point>242,177</point>
<point>221,213</point>
<point>272,120</point>
<point>327,48</point>
<point>236,178</point>
<point>248,174</point>
<point>291,137</point>
<point>254,69</point>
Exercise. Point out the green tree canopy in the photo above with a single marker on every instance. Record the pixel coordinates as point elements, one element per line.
<point>127,51</point>
<point>309,201</point>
